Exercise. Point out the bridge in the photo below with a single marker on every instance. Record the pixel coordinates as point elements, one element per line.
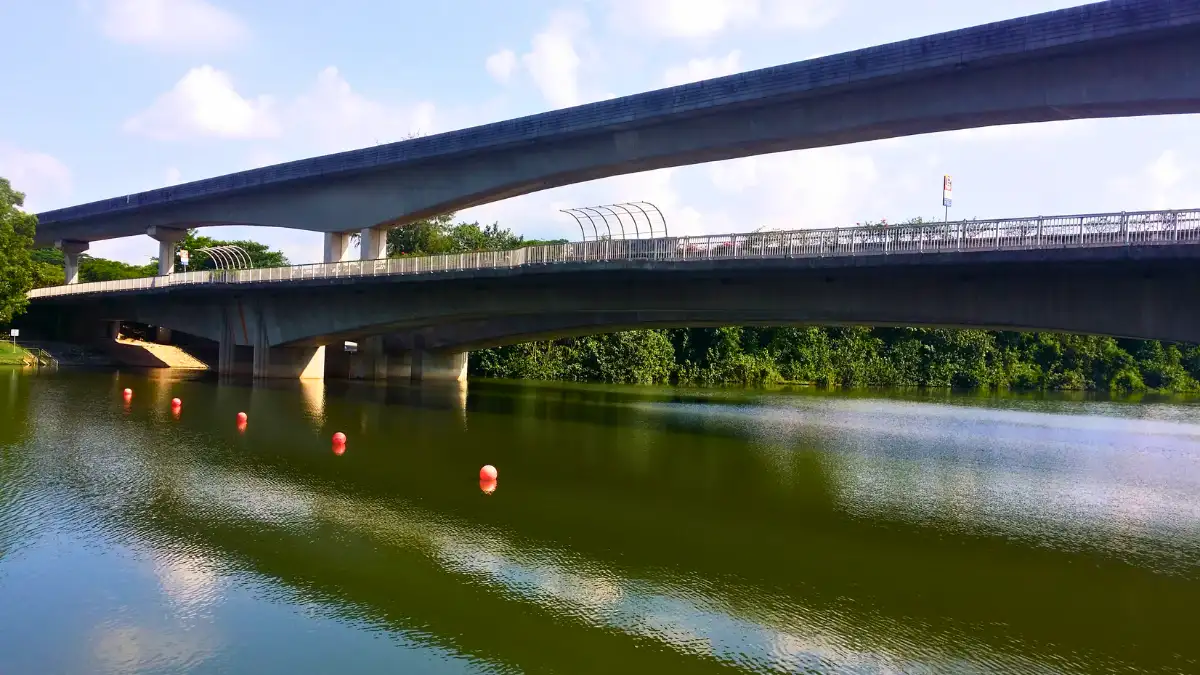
<point>1120,274</point>
<point>1108,59</point>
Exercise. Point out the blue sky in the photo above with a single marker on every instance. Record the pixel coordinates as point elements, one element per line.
<point>108,97</point>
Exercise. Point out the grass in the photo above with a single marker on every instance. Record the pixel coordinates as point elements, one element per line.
<point>12,356</point>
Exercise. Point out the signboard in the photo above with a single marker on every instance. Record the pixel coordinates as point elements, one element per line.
<point>946,198</point>
<point>183,256</point>
<point>14,332</point>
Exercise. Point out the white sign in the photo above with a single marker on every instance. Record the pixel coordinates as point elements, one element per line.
<point>14,332</point>
<point>183,256</point>
<point>946,199</point>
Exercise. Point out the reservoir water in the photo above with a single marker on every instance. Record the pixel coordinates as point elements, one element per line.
<point>632,530</point>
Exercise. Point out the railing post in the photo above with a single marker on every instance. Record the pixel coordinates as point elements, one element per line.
<point>1039,232</point>
<point>1125,227</point>
<point>1081,220</point>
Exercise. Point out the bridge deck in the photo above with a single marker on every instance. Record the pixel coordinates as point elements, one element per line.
<point>1153,228</point>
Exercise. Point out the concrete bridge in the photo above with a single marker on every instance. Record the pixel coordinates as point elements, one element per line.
<point>1109,59</point>
<point>1120,274</point>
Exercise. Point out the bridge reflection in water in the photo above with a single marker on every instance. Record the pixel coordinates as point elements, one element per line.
<point>638,530</point>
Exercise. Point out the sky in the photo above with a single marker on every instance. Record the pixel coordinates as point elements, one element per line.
<point>109,97</point>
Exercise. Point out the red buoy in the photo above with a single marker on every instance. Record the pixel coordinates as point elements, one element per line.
<point>242,418</point>
<point>175,403</point>
<point>487,473</point>
<point>241,427</point>
<point>487,486</point>
<point>128,392</point>
<point>339,449</point>
<point>339,438</point>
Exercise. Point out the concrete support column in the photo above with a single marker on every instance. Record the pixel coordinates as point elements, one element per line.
<point>372,243</point>
<point>420,365</point>
<point>304,362</point>
<point>114,329</point>
<point>168,239</point>
<point>371,361</point>
<point>337,247</point>
<point>71,250</point>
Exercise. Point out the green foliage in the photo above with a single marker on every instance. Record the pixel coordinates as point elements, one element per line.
<point>17,272</point>
<point>48,268</point>
<point>440,235</point>
<point>854,357</point>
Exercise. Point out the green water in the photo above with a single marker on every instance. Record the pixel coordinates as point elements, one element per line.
<point>632,530</point>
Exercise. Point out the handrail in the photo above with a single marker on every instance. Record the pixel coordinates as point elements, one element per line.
<point>1144,228</point>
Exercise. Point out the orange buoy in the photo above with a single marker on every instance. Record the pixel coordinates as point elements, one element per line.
<point>241,426</point>
<point>339,438</point>
<point>128,392</point>
<point>175,403</point>
<point>487,486</point>
<point>487,473</point>
<point>242,418</point>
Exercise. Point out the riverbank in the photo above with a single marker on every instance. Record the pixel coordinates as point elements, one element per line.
<point>12,355</point>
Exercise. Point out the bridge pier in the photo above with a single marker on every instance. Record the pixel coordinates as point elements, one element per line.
<point>372,243</point>
<point>420,365</point>
<point>337,247</point>
<point>305,363</point>
<point>168,239</point>
<point>71,250</point>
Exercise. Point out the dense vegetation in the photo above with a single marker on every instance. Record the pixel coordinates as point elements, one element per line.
<point>440,235</point>
<point>850,357</point>
<point>16,238</point>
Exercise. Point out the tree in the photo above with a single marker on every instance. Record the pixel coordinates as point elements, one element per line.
<point>48,264</point>
<point>440,235</point>
<point>16,240</point>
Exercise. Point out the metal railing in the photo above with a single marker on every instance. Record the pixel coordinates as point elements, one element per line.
<point>1050,232</point>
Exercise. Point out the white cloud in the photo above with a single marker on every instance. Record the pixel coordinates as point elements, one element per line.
<point>205,104</point>
<point>171,25</point>
<point>707,18</point>
<point>332,117</point>
<point>703,69</point>
<point>501,65</point>
<point>554,62</point>
<point>45,180</point>
<point>329,117</point>
<point>1168,182</point>
<point>826,187</point>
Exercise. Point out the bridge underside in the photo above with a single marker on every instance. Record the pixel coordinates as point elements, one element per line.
<point>406,326</point>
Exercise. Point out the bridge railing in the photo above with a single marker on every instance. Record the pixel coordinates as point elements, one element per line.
<point>1051,232</point>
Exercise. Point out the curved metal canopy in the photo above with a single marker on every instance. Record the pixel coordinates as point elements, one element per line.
<point>228,257</point>
<point>629,220</point>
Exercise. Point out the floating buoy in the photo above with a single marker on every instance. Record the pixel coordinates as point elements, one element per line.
<point>339,438</point>
<point>339,449</point>
<point>242,418</point>
<point>241,426</point>
<point>487,486</point>
<point>487,473</point>
<point>176,403</point>
<point>127,393</point>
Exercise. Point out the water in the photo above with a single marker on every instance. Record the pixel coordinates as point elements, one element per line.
<point>633,530</point>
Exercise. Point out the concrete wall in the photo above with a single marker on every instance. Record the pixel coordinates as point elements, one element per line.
<point>1131,57</point>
